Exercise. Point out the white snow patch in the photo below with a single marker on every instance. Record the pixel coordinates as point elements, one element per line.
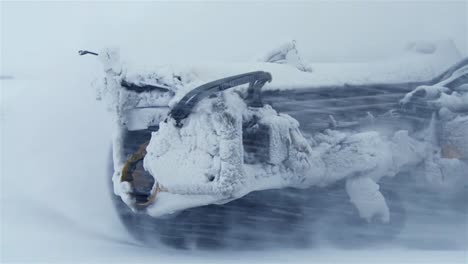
<point>365,195</point>
<point>204,156</point>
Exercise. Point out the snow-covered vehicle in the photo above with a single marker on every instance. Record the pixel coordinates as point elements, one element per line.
<point>263,154</point>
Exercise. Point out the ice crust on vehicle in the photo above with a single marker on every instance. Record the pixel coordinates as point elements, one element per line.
<point>204,159</point>
<point>213,168</point>
<point>414,64</point>
<point>445,94</point>
<point>206,156</point>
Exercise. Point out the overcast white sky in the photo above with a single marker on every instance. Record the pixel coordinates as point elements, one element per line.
<point>48,34</point>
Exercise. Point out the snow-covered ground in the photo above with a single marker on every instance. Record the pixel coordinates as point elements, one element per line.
<point>55,138</point>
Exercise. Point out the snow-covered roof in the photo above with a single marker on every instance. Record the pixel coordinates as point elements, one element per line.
<point>418,62</point>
